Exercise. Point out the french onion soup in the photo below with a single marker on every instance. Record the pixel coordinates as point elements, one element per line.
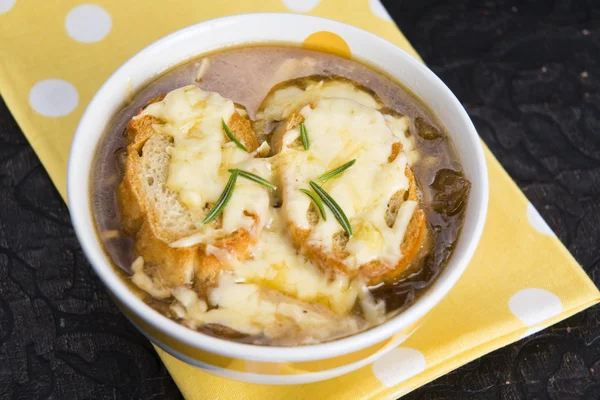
<point>277,196</point>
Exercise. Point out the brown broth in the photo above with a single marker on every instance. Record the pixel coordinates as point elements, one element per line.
<point>246,75</point>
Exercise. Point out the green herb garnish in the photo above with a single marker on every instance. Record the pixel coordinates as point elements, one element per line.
<point>231,137</point>
<point>317,201</point>
<point>335,172</point>
<point>223,199</point>
<point>337,211</point>
<point>255,178</point>
<point>304,136</point>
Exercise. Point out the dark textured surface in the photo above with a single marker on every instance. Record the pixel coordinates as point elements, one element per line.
<point>528,73</point>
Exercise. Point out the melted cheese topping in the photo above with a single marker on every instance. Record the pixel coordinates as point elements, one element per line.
<point>281,103</point>
<point>277,293</point>
<point>201,156</point>
<point>151,286</point>
<point>339,131</point>
<point>400,127</point>
<point>251,309</point>
<point>276,264</point>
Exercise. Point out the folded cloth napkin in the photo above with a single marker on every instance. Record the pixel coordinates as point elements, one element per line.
<point>55,55</point>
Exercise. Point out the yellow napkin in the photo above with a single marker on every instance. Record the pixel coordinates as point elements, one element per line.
<point>55,55</point>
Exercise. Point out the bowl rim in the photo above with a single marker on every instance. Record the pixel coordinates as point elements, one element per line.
<point>440,287</point>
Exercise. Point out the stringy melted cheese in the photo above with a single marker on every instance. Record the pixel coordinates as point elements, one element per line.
<point>400,127</point>
<point>276,264</point>
<point>340,130</point>
<point>250,309</point>
<point>201,156</point>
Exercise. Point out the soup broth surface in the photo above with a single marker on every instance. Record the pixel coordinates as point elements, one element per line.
<point>246,76</point>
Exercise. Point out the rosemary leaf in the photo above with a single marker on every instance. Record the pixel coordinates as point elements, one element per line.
<point>337,211</point>
<point>335,172</point>
<point>231,137</point>
<point>304,136</point>
<point>223,199</point>
<point>317,201</point>
<point>255,178</point>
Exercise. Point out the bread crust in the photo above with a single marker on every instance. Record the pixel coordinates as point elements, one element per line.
<point>417,238</point>
<point>182,265</point>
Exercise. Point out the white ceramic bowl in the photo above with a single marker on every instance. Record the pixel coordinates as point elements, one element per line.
<point>260,364</point>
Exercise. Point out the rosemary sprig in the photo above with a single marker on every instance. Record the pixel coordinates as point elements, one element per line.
<point>231,137</point>
<point>304,136</point>
<point>223,199</point>
<point>317,201</point>
<point>335,172</point>
<point>255,178</point>
<point>337,211</point>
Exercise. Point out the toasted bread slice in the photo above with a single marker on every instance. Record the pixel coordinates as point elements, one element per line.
<point>156,217</point>
<point>334,259</point>
<point>287,97</point>
<point>416,244</point>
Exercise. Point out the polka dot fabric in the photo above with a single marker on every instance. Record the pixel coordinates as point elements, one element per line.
<point>88,23</point>
<point>53,97</point>
<point>6,5</point>
<point>520,280</point>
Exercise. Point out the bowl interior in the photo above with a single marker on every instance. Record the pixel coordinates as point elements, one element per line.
<point>269,28</point>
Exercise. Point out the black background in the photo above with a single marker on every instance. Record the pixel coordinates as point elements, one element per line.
<point>528,74</point>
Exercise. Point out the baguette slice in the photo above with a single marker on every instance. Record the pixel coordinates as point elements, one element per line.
<point>287,97</point>
<point>154,215</point>
<point>416,241</point>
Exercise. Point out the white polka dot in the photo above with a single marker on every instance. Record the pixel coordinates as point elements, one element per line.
<point>533,306</point>
<point>536,220</point>
<point>398,365</point>
<point>378,9</point>
<point>88,23</point>
<point>6,5</point>
<point>301,5</point>
<point>533,330</point>
<point>53,97</point>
